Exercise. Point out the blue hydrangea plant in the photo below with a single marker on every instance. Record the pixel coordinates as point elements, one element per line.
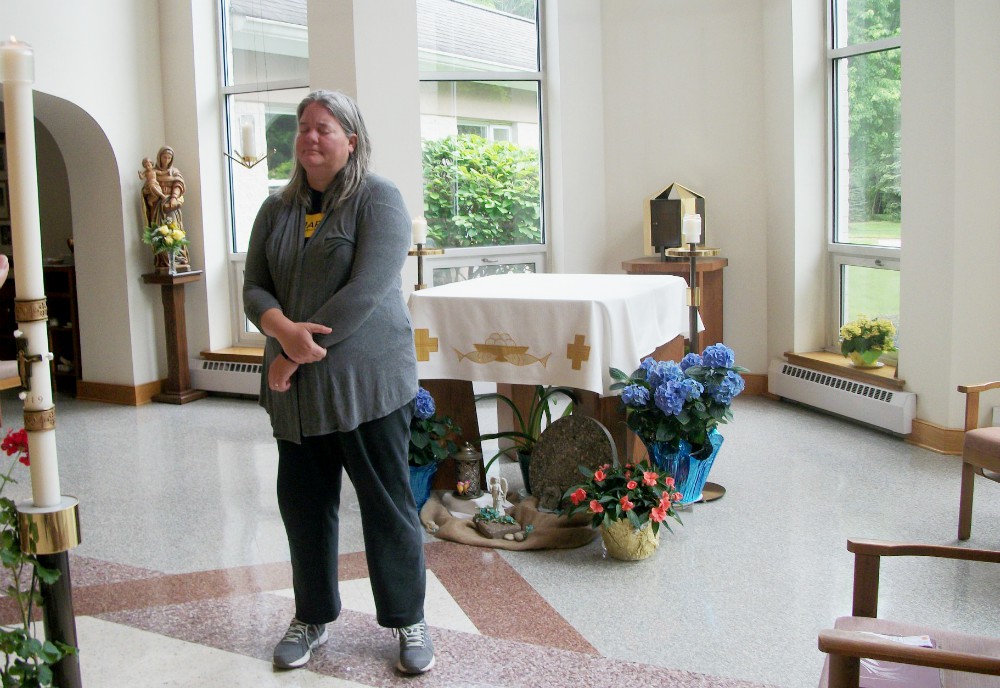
<point>667,401</point>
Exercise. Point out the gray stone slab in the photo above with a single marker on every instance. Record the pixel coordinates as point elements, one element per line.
<point>561,449</point>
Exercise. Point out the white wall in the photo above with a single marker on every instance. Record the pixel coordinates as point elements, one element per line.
<point>951,211</point>
<point>683,88</point>
<point>98,93</point>
<point>575,147</point>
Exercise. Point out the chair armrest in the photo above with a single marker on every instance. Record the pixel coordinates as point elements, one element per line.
<point>881,548</point>
<point>868,557</point>
<point>972,401</point>
<point>976,389</point>
<point>858,644</point>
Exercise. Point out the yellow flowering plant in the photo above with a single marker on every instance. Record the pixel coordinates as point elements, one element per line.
<point>168,238</point>
<point>867,334</point>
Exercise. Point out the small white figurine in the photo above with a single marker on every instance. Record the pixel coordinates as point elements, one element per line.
<point>498,490</point>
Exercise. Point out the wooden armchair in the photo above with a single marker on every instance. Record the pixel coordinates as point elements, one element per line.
<point>962,659</point>
<point>980,450</point>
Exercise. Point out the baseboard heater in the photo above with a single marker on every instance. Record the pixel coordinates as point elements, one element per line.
<point>225,376</point>
<point>888,409</point>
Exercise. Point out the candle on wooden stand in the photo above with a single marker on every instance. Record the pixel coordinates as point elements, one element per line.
<point>17,72</point>
<point>419,230</point>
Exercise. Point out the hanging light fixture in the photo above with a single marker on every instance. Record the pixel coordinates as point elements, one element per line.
<point>247,155</point>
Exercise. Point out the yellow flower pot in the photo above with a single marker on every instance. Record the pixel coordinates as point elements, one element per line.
<point>868,359</point>
<point>624,542</point>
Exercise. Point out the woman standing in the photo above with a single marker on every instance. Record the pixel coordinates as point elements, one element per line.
<point>323,283</point>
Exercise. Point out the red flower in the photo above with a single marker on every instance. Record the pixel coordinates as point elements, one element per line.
<point>595,506</point>
<point>669,481</point>
<point>665,500</point>
<point>632,484</point>
<point>678,496</point>
<point>649,477</point>
<point>15,441</point>
<point>578,496</point>
<point>599,475</point>
<point>626,504</point>
<point>658,514</point>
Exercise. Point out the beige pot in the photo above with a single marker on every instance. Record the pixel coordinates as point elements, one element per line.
<point>624,542</point>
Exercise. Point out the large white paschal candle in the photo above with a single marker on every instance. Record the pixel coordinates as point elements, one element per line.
<point>17,73</point>
<point>691,228</point>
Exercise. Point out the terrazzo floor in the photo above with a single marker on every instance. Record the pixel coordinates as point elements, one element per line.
<point>182,578</point>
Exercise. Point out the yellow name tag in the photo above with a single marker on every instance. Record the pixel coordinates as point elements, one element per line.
<point>312,222</point>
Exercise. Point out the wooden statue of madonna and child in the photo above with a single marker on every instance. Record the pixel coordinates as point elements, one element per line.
<point>162,199</point>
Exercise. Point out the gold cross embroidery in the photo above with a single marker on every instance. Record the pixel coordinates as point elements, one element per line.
<point>578,352</point>
<point>424,343</point>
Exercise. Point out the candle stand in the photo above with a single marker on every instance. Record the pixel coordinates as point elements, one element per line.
<point>711,491</point>
<point>420,252</point>
<point>58,531</point>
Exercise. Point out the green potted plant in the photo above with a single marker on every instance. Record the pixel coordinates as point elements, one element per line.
<point>432,439</point>
<point>865,339</point>
<point>527,426</point>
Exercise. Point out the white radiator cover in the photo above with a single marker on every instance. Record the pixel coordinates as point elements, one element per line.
<point>890,409</point>
<point>225,376</point>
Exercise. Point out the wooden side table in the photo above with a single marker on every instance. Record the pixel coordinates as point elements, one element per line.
<point>708,272</point>
<point>178,388</point>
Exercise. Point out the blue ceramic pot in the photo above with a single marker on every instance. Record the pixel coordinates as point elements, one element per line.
<point>689,471</point>
<point>421,478</point>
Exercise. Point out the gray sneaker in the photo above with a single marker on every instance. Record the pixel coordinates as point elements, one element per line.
<point>296,647</point>
<point>416,650</point>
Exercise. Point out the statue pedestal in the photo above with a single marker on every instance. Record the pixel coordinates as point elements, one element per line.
<point>177,389</point>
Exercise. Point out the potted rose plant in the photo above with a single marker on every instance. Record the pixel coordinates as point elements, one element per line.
<point>628,503</point>
<point>865,340</point>
<point>432,439</point>
<point>675,409</point>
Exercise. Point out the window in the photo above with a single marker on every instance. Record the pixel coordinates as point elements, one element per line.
<point>265,75</point>
<point>480,123</point>
<point>866,196</point>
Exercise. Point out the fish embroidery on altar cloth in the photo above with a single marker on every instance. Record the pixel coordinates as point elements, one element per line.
<point>502,348</point>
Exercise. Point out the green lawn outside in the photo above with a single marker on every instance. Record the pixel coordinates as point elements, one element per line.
<point>873,232</point>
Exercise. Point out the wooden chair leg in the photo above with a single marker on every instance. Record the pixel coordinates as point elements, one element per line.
<point>965,501</point>
<point>844,672</point>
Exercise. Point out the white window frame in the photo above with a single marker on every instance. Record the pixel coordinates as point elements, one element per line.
<point>519,253</point>
<point>242,336</point>
<point>842,253</point>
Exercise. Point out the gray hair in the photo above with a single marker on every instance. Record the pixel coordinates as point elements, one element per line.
<point>348,180</point>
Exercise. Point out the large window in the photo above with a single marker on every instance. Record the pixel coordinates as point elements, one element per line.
<point>266,74</point>
<point>480,122</point>
<point>867,202</point>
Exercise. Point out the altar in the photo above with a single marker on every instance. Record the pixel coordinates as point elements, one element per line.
<point>547,329</point>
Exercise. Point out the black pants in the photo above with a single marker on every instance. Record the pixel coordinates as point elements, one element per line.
<point>309,480</point>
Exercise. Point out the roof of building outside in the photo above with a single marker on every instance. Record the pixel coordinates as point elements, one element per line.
<point>449,27</point>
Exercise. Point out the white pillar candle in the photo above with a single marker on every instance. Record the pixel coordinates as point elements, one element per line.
<point>249,148</point>
<point>17,72</point>
<point>691,229</point>
<point>419,230</point>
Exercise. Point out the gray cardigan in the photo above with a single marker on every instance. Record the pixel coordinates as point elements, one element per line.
<point>347,276</point>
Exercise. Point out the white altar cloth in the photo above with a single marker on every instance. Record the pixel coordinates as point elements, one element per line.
<point>545,328</point>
